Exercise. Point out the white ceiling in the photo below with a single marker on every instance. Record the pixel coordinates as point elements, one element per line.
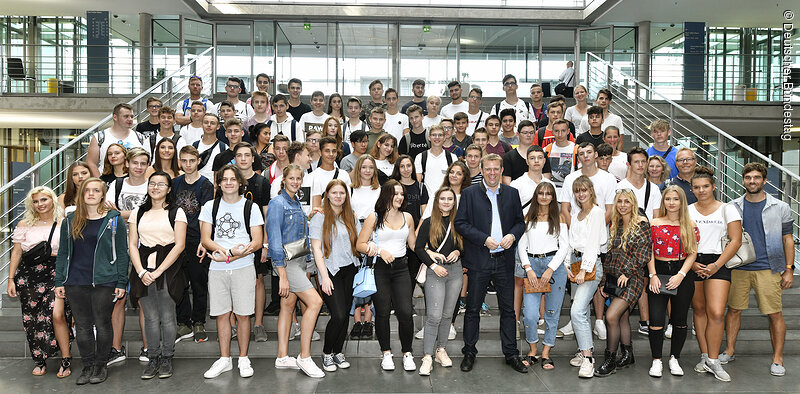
<point>79,7</point>
<point>728,13</point>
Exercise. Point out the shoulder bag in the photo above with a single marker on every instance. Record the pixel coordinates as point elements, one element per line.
<point>364,282</point>
<point>746,253</point>
<point>40,252</point>
<point>298,248</point>
<point>422,274</point>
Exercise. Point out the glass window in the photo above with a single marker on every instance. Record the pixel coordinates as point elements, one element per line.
<point>233,54</point>
<point>264,50</point>
<point>428,55</point>
<point>307,54</point>
<point>490,52</point>
<point>366,51</point>
<point>558,47</point>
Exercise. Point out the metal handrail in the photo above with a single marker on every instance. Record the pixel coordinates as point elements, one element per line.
<point>88,132</point>
<point>695,117</point>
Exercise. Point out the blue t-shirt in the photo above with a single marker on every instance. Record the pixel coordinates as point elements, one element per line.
<point>670,159</point>
<point>752,223</point>
<point>82,262</point>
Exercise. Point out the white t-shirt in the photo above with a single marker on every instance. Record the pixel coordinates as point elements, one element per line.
<point>304,194</point>
<point>395,124</point>
<point>562,163</point>
<point>435,171</point>
<point>525,187</point>
<point>230,230</point>
<point>521,107</point>
<point>348,128</point>
<point>178,145</point>
<point>130,196</point>
<point>385,167</point>
<point>310,122</point>
<point>713,227</point>
<point>285,128</point>
<point>129,142</point>
<point>575,117</point>
<point>655,196</point>
<point>605,187</point>
<point>321,178</point>
<point>427,121</point>
<point>619,166</point>
<point>476,121</point>
<point>243,110</point>
<point>363,201</point>
<point>611,120</point>
<point>449,110</point>
<point>207,170</point>
<point>191,134</point>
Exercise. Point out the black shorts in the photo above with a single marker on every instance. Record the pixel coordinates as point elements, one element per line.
<point>723,273</point>
<point>261,268</point>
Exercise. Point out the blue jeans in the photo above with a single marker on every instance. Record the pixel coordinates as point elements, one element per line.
<point>580,308</point>
<point>552,303</point>
<point>502,274</point>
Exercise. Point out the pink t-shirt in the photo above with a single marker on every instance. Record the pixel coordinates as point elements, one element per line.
<point>28,236</point>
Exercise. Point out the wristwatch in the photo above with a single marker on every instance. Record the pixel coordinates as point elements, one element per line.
<point>651,275</point>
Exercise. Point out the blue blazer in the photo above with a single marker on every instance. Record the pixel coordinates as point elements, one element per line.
<point>474,222</point>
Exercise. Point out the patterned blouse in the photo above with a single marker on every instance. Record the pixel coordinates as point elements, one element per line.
<point>667,241</point>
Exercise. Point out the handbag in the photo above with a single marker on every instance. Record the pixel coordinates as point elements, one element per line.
<point>576,268</point>
<point>298,248</point>
<point>664,278</point>
<point>541,288</point>
<point>40,252</point>
<point>611,287</point>
<point>422,274</point>
<point>364,282</point>
<point>746,253</point>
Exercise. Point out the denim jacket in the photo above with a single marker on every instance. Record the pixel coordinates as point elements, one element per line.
<point>286,223</point>
<point>777,219</point>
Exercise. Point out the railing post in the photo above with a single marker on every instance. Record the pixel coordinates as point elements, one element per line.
<point>635,112</point>
<point>722,168</point>
<point>169,88</point>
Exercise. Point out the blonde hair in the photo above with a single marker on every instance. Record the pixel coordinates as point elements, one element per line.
<point>688,238</point>
<point>583,181</point>
<point>665,172</point>
<point>30,216</point>
<point>617,219</point>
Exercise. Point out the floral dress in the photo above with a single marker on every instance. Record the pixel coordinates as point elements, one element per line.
<point>35,288</point>
<point>630,261</point>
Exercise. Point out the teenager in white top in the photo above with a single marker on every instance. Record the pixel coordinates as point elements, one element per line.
<point>396,123</point>
<point>209,141</point>
<point>477,118</point>
<point>166,119</point>
<point>522,108</point>
<point>298,154</point>
<point>365,187</point>
<point>605,185</point>
<point>636,181</point>
<point>261,111</point>
<point>619,159</point>
<point>385,153</point>
<point>433,117</point>
<point>134,186</point>
<point>314,120</point>
<point>603,101</point>
<point>436,163</point>
<point>588,238</point>
<point>577,112</point>
<point>233,87</point>
<point>562,153</point>
<point>282,121</point>
<point>457,104</point>
<point>194,130</point>
<point>262,84</point>
<point>119,132</point>
<point>326,171</point>
<point>353,122</point>
<point>714,219</point>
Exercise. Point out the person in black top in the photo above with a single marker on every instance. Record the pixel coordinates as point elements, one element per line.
<point>595,133</point>
<point>441,254</point>
<point>234,133</point>
<point>115,166</point>
<point>257,191</point>
<point>151,125</point>
<point>514,162</point>
<point>417,198</point>
<point>416,140</point>
<point>296,107</point>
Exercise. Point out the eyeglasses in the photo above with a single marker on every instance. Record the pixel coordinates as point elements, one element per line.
<point>685,160</point>
<point>510,84</point>
<point>233,87</point>
<point>159,185</point>
<point>527,132</point>
<point>447,128</point>
<point>313,140</point>
<point>157,106</point>
<point>474,97</point>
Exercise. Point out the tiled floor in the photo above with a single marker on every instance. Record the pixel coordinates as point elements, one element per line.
<point>749,373</point>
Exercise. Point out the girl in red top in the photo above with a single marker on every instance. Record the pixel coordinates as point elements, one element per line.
<point>675,238</point>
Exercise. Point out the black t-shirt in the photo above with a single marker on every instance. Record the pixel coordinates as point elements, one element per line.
<point>110,177</point>
<point>191,198</point>
<point>515,165</point>
<point>257,190</point>
<point>299,110</point>
<point>416,195</point>
<point>588,137</point>
<point>419,144</point>
<point>227,158</point>
<point>423,105</point>
<point>221,136</point>
<point>81,267</point>
<point>146,129</point>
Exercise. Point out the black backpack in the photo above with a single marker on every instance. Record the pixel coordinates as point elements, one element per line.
<point>173,211</point>
<point>448,156</point>
<point>176,135</point>
<point>248,208</point>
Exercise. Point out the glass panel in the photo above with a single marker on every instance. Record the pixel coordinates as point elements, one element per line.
<point>166,51</point>
<point>264,50</point>
<point>233,54</point>
<point>307,55</point>
<point>558,47</point>
<point>598,42</point>
<point>365,53</point>
<point>490,52</point>
<point>625,48</point>
<point>428,55</point>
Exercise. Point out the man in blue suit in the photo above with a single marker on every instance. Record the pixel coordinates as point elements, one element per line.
<point>490,220</point>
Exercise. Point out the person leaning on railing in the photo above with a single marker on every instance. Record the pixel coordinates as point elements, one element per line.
<point>30,276</point>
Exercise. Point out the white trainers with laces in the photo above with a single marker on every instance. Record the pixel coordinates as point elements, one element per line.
<point>577,360</point>
<point>715,368</point>
<point>452,334</point>
<point>656,369</point>
<point>408,362</point>
<point>245,369</point>
<point>566,330</point>
<point>420,334</point>
<point>309,367</point>
<point>223,364</point>
<point>675,367</point>
<point>600,330</point>
<point>668,332</point>
<point>286,362</point>
<point>587,368</point>
<point>387,364</point>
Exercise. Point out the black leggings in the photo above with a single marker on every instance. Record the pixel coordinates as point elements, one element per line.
<point>338,303</point>
<point>680,309</point>
<point>394,291</point>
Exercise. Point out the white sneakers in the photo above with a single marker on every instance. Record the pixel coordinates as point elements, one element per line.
<point>656,369</point>
<point>700,367</point>
<point>408,362</point>
<point>387,364</point>
<point>223,364</point>
<point>245,369</point>
<point>309,367</point>
<point>452,334</point>
<point>540,327</point>
<point>587,368</point>
<point>600,329</point>
<point>420,334</point>
<point>668,332</point>
<point>286,362</point>
<point>443,358</point>
<point>675,367</point>
<point>577,360</point>
<point>426,367</point>
<point>716,369</point>
<point>566,330</point>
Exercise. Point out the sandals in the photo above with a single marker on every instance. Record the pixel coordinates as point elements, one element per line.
<point>548,362</point>
<point>39,369</point>
<point>530,360</point>
<point>65,370</point>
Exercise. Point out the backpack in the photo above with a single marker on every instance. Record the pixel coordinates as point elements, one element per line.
<point>259,189</point>
<point>173,211</point>
<point>248,208</point>
<point>176,135</point>
<point>206,155</point>
<point>448,156</point>
<point>497,107</point>
<point>407,139</point>
<point>101,137</point>
<point>549,147</point>
<point>118,189</point>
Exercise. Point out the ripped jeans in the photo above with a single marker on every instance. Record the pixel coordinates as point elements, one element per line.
<point>552,303</point>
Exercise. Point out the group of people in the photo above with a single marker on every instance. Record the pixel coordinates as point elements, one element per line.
<point>188,214</point>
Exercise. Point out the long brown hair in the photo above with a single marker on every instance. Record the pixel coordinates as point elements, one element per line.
<point>466,180</point>
<point>553,213</point>
<point>107,167</point>
<point>329,223</point>
<point>376,149</point>
<point>72,189</point>
<point>436,234</point>
<point>81,211</point>
<point>357,172</point>
<point>173,163</point>
<point>338,136</point>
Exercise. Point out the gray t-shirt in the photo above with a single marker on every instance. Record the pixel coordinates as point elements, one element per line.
<point>341,254</point>
<point>511,141</point>
<point>348,163</point>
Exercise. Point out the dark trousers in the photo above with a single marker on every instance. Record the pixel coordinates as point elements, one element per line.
<point>394,290</point>
<point>678,316</point>
<point>196,270</point>
<point>502,274</point>
<point>339,307</point>
<point>92,307</point>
